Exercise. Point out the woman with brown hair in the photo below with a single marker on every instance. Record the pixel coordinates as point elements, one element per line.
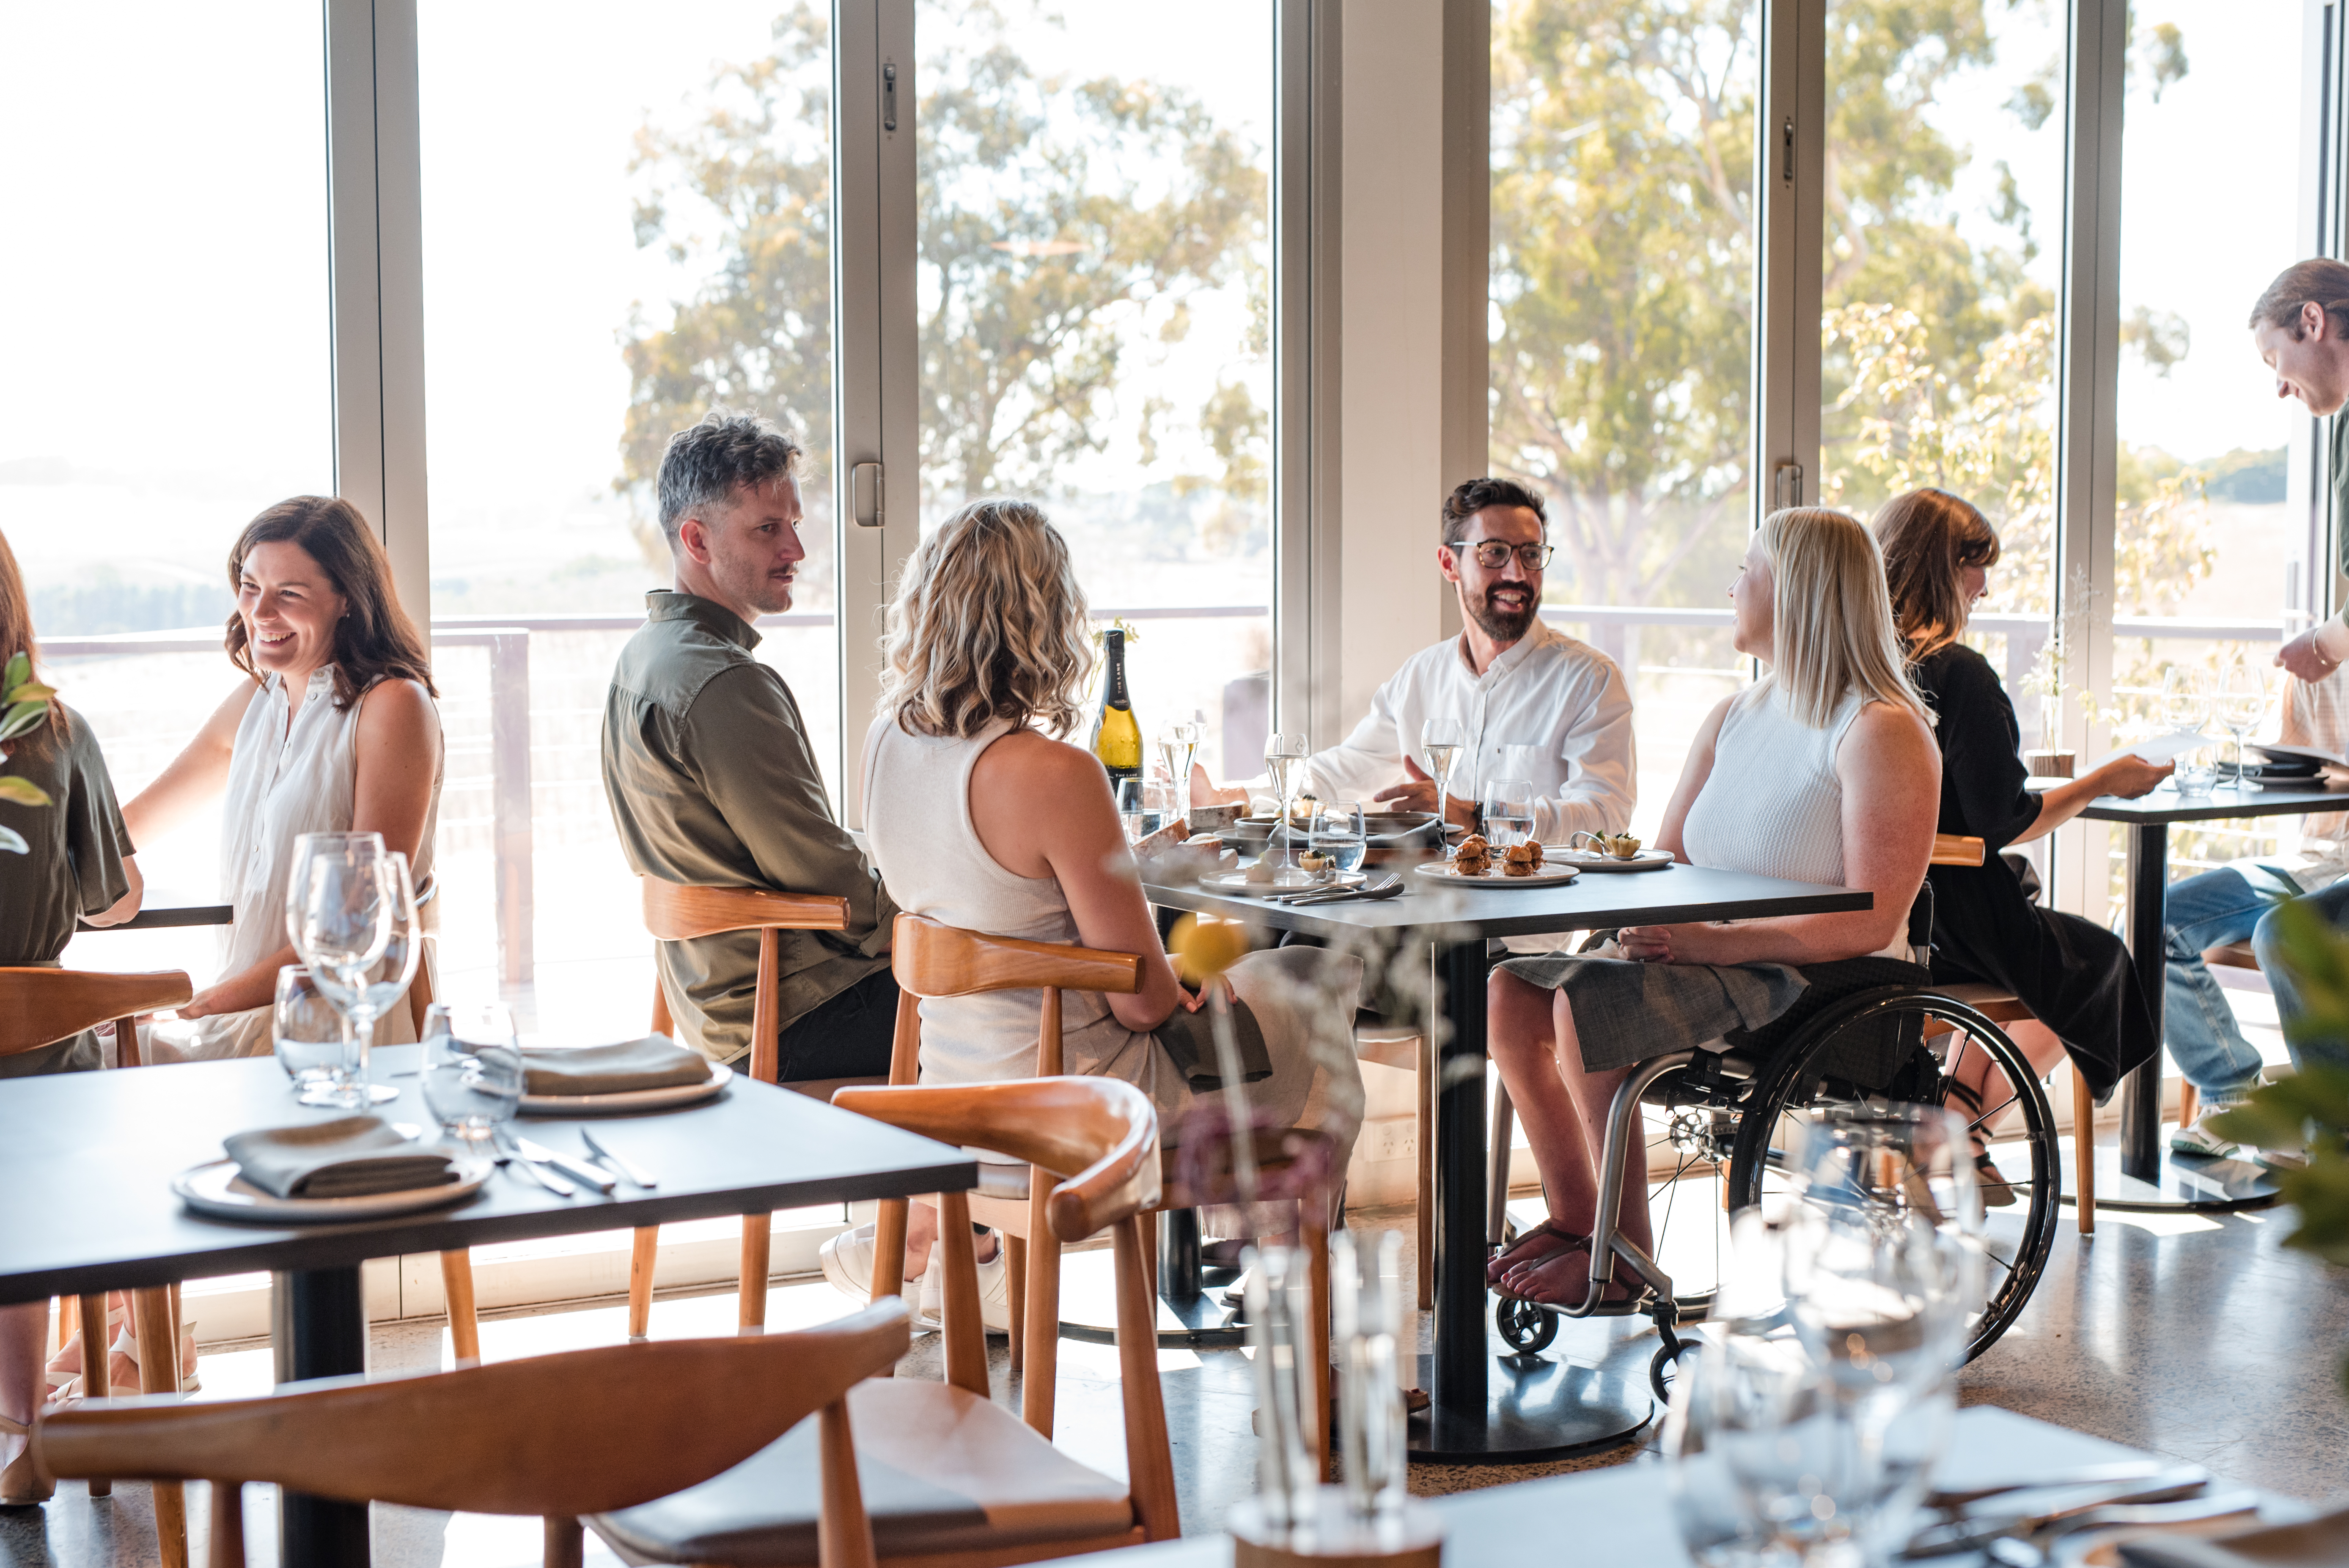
<point>331,728</point>
<point>75,864</point>
<point>2075,977</point>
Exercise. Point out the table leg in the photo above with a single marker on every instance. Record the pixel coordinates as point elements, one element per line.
<point>1522,1409</point>
<point>2142,1175</point>
<point>318,1326</point>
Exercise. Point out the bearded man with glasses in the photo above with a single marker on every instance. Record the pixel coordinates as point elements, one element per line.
<point>1531,702</point>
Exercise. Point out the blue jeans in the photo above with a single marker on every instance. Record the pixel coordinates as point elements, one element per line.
<point>2231,904</point>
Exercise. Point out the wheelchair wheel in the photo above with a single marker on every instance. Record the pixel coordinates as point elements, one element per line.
<point>1664,1368</point>
<point>1526,1327</point>
<point>1965,1048</point>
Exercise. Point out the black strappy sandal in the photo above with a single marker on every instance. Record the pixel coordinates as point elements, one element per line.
<point>1997,1192</point>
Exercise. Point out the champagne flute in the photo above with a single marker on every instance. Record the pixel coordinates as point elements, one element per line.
<point>1178,745</point>
<point>1441,742</point>
<point>1284,760</point>
<point>339,907</point>
<point>2242,703</point>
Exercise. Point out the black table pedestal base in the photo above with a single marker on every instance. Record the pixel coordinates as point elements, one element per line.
<point>2181,1182</point>
<point>1089,1308</point>
<point>319,1328</point>
<point>1537,1408</point>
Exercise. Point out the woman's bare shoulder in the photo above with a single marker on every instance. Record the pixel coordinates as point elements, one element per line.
<point>1889,732</point>
<point>397,710</point>
<point>1026,757</point>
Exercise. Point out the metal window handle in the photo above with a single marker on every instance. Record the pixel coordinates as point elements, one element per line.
<point>868,495</point>
<point>889,98</point>
<point>1786,481</point>
<point>1786,149</point>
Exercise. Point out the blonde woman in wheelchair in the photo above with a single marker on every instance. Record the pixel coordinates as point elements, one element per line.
<point>1824,773</point>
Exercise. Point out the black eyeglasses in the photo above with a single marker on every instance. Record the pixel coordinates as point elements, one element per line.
<point>1492,554</point>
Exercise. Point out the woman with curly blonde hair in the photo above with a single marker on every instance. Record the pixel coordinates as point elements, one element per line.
<point>979,817</point>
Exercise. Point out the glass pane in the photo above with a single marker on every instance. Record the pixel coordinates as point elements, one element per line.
<point>1095,242</point>
<point>1621,323</point>
<point>666,250</point>
<point>1943,234</point>
<point>2206,536</point>
<point>170,371</point>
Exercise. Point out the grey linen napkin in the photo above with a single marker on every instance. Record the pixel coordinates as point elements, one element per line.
<point>349,1157</point>
<point>653,1062</point>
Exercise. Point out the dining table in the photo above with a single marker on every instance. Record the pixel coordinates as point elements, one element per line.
<point>89,1159</point>
<point>2143,1174</point>
<point>1623,1514</point>
<point>1487,1405</point>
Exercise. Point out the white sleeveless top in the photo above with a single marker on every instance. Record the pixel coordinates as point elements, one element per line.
<point>1773,804</point>
<point>917,821</point>
<point>283,783</point>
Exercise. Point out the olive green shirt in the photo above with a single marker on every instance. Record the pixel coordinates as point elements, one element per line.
<point>2337,473</point>
<point>73,867</point>
<point>712,784</point>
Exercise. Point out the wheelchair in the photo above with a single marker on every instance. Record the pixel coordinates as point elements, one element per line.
<point>1873,1032</point>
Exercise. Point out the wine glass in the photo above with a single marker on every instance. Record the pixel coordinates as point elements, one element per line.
<point>340,905</point>
<point>1441,742</point>
<point>1284,760</point>
<point>1178,745</point>
<point>2185,705</point>
<point>2242,703</point>
<point>473,1075</point>
<point>388,979</point>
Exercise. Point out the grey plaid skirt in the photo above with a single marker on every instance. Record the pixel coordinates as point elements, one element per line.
<point>1626,1012</point>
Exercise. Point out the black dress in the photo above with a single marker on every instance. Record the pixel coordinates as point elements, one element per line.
<point>2075,976</point>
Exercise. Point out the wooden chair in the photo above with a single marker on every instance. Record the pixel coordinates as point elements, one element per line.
<point>951,1480</point>
<point>513,1438</point>
<point>675,913</point>
<point>40,1007</point>
<point>2002,1007</point>
<point>934,960</point>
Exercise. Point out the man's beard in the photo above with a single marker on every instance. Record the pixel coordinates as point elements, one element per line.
<point>1502,625</point>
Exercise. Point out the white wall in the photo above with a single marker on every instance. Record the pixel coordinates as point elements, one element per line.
<point>1391,286</point>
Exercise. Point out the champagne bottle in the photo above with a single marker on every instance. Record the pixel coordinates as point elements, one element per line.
<point>1117,738</point>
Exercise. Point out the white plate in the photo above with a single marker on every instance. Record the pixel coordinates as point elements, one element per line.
<point>1237,882</point>
<point>1548,876</point>
<point>1592,861</point>
<point>628,1099</point>
<point>216,1189</point>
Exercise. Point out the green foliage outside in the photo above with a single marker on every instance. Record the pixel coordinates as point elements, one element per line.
<point>24,703</point>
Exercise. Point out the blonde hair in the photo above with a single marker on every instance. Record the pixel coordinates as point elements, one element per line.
<point>1831,617</point>
<point>989,627</point>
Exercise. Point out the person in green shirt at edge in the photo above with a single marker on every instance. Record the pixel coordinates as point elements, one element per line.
<point>711,777</point>
<point>2301,329</point>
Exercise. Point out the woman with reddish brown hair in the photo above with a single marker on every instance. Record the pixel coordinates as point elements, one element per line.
<point>331,728</point>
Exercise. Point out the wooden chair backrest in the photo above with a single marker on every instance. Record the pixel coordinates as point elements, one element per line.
<point>675,913</point>
<point>1956,850</point>
<point>1055,1123</point>
<point>41,1007</point>
<point>505,1438</point>
<point>931,959</point>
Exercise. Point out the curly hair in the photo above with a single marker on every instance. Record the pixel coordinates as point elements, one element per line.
<point>375,640</point>
<point>989,627</point>
<point>1928,536</point>
<point>1467,499</point>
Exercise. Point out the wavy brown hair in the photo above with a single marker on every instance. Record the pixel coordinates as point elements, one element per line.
<point>1928,538</point>
<point>375,640</point>
<point>989,627</point>
<point>16,637</point>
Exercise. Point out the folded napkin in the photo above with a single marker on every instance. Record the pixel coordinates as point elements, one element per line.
<point>653,1062</point>
<point>350,1157</point>
<point>2315,1543</point>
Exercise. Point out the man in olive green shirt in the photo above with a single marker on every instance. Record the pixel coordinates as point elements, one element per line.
<point>709,774</point>
<point>2300,327</point>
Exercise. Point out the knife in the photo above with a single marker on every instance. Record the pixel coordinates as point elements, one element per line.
<point>615,1159</point>
<point>508,1155</point>
<point>595,1176</point>
<point>1967,1534</point>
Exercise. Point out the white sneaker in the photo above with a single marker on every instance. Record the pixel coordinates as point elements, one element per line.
<point>2197,1139</point>
<point>994,1292</point>
<point>847,1262</point>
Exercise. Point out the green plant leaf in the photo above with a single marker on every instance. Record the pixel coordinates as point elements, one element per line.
<point>22,792</point>
<point>12,842</point>
<point>31,691</point>
<point>22,718</point>
<point>19,671</point>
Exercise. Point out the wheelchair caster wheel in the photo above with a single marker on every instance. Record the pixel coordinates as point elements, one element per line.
<point>1526,1327</point>
<point>1666,1366</point>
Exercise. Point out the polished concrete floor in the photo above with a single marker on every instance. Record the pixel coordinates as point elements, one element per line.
<point>2194,1335</point>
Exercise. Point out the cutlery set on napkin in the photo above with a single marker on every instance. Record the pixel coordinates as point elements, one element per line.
<point>2026,1520</point>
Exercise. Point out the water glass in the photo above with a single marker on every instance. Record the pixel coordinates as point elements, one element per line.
<point>473,1075</point>
<point>1508,813</point>
<point>1372,1421</point>
<point>1130,813</point>
<point>305,1030</point>
<point>1337,833</point>
<point>1757,1457</point>
<point>2197,775</point>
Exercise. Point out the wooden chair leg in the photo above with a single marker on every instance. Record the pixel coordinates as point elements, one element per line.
<point>97,1350</point>
<point>158,1373</point>
<point>566,1542</point>
<point>644,1253</point>
<point>228,1525</point>
<point>1426,1160</point>
<point>2083,1150</point>
<point>2189,1105</point>
<point>1015,1264</point>
<point>757,1233</point>
<point>1313,1230</point>
<point>1040,1325</point>
<point>464,1318</point>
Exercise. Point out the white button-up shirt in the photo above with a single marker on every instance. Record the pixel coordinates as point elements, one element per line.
<point>1550,710</point>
